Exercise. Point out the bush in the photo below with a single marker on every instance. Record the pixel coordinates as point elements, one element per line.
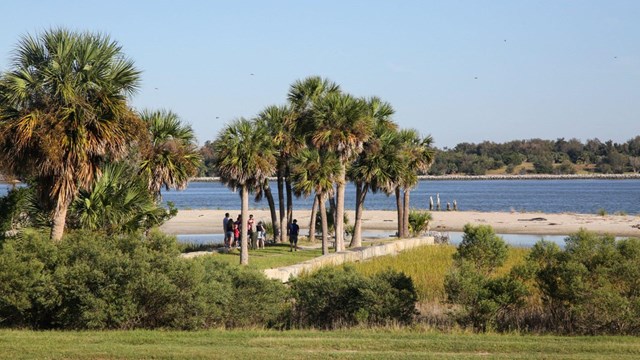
<point>590,287</point>
<point>94,281</point>
<point>336,297</point>
<point>482,247</point>
<point>419,222</point>
<point>481,296</point>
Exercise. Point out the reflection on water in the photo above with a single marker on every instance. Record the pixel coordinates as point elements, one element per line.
<point>519,240</point>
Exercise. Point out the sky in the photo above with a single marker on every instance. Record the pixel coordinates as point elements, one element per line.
<point>461,71</point>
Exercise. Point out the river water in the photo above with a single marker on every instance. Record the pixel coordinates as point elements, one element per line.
<point>550,196</point>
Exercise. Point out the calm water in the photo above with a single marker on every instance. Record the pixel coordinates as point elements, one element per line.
<point>518,240</point>
<point>552,196</point>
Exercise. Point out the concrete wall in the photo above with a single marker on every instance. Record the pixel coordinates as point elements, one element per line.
<point>352,255</point>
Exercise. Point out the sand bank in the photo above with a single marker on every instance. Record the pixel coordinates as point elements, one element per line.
<point>210,222</point>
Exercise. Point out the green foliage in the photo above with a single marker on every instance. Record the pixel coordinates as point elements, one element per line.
<point>19,209</point>
<point>482,248</point>
<point>119,201</point>
<point>92,281</point>
<point>482,296</point>
<point>590,287</point>
<point>419,222</point>
<point>250,298</point>
<point>335,297</point>
<point>476,159</point>
<point>269,231</point>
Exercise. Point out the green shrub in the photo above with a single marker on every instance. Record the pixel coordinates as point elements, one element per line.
<point>481,296</point>
<point>250,298</point>
<point>482,247</point>
<point>419,222</point>
<point>590,287</point>
<point>94,281</point>
<point>336,297</point>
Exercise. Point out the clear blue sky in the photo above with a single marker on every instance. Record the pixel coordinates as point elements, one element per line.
<point>462,71</point>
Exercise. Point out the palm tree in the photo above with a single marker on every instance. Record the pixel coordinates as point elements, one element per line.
<point>418,155</point>
<point>302,96</point>
<point>278,120</point>
<point>173,157</point>
<point>370,171</point>
<point>341,125</point>
<point>314,171</point>
<point>245,158</point>
<point>63,111</point>
<point>118,201</point>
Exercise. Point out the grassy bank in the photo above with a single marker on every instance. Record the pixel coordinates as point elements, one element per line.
<point>351,344</point>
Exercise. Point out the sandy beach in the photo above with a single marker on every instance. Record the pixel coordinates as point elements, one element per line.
<point>210,222</point>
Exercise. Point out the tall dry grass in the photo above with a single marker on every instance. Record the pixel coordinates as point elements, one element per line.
<point>428,265</point>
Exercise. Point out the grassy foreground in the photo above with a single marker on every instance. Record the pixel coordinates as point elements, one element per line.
<point>347,344</point>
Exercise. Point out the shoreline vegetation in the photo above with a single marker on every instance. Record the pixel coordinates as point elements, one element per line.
<point>630,176</point>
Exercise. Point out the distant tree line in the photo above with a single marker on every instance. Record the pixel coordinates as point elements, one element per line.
<point>546,157</point>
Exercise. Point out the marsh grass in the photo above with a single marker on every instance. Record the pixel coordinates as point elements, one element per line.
<point>428,265</point>
<point>380,343</point>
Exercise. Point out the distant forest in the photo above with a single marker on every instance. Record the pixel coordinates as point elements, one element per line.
<point>537,156</point>
<point>534,156</point>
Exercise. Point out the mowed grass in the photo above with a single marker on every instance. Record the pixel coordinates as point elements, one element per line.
<point>272,256</point>
<point>309,344</point>
<point>428,265</point>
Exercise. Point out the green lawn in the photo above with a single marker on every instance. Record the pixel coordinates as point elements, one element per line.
<point>347,344</point>
<point>272,256</point>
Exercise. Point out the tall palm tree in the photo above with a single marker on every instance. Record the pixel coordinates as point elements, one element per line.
<point>303,95</point>
<point>370,171</point>
<point>245,158</point>
<point>314,171</point>
<point>173,157</point>
<point>63,111</point>
<point>418,155</point>
<point>341,125</point>
<point>278,120</point>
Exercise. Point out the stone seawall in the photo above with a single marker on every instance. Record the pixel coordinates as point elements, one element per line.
<point>352,255</point>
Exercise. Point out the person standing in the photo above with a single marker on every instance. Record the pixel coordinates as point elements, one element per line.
<point>250,233</point>
<point>228,233</point>
<point>294,229</point>
<point>260,231</point>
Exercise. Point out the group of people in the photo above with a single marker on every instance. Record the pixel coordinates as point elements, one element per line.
<point>232,231</point>
<point>257,235</point>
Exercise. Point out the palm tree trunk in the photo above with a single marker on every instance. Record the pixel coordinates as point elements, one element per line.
<point>405,213</point>
<point>272,208</point>
<point>332,207</point>
<point>399,209</point>
<point>340,190</point>
<point>283,233</point>
<point>361,194</point>
<point>244,243</point>
<point>312,221</point>
<point>289,198</point>
<point>59,220</point>
<point>325,225</point>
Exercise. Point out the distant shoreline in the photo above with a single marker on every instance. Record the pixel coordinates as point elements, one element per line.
<point>498,177</point>
<point>472,177</point>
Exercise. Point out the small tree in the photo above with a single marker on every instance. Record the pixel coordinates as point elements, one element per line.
<point>482,248</point>
<point>472,284</point>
